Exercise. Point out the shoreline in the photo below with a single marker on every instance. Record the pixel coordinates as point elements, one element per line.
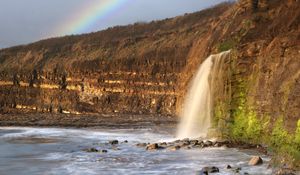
<point>87,120</point>
<point>111,121</point>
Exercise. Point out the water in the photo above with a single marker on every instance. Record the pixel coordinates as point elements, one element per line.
<point>197,109</point>
<point>52,151</point>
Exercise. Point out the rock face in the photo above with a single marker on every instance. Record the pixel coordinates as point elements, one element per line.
<point>123,70</point>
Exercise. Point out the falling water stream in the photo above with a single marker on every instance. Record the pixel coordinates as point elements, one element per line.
<point>197,109</point>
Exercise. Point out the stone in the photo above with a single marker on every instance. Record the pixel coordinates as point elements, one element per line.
<point>203,173</point>
<point>141,144</point>
<point>186,140</point>
<point>217,144</point>
<point>208,143</point>
<point>114,142</point>
<point>103,151</point>
<point>194,142</point>
<point>237,170</point>
<point>174,148</point>
<point>228,167</point>
<point>197,146</point>
<point>185,143</point>
<point>163,144</point>
<point>177,141</point>
<point>92,150</point>
<point>211,169</point>
<point>256,160</point>
<point>153,146</point>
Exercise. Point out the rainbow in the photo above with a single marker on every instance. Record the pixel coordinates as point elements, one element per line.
<point>93,11</point>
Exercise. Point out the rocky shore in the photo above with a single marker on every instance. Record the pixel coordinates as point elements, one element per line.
<point>190,144</point>
<point>87,120</point>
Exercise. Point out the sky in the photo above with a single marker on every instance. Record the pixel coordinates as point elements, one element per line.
<point>26,21</point>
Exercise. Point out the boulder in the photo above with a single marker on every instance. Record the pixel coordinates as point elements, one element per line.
<point>237,170</point>
<point>114,142</point>
<point>91,150</point>
<point>174,148</point>
<point>103,151</point>
<point>163,144</point>
<point>256,160</point>
<point>194,142</point>
<point>208,143</point>
<point>141,144</point>
<point>186,140</point>
<point>211,169</point>
<point>153,146</point>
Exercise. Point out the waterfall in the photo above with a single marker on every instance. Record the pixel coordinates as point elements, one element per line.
<point>197,109</point>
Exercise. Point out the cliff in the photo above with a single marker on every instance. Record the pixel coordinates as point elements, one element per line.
<point>146,68</point>
<point>131,69</point>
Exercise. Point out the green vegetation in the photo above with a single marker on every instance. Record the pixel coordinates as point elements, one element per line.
<point>226,45</point>
<point>297,135</point>
<point>279,135</point>
<point>286,145</point>
<point>246,126</point>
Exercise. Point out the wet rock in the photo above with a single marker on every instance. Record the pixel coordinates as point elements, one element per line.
<point>202,173</point>
<point>208,143</point>
<point>91,150</point>
<point>94,150</point>
<point>200,142</point>
<point>188,147</point>
<point>217,144</point>
<point>256,160</point>
<point>211,169</point>
<point>114,142</point>
<point>103,151</point>
<point>184,143</point>
<point>245,173</point>
<point>152,147</point>
<point>237,170</point>
<point>197,146</point>
<point>141,144</point>
<point>125,141</point>
<point>174,148</point>
<point>228,167</point>
<point>163,144</point>
<point>224,143</point>
<point>186,140</point>
<point>194,142</point>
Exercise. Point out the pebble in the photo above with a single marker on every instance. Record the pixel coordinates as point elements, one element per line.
<point>211,169</point>
<point>152,147</point>
<point>174,148</point>
<point>114,142</point>
<point>256,160</point>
